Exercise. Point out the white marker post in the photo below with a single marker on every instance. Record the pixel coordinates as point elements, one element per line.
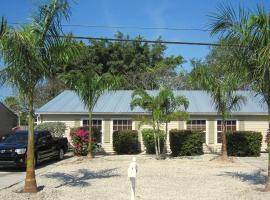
<point>132,173</point>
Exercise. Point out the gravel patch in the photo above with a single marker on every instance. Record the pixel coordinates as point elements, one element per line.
<point>105,178</point>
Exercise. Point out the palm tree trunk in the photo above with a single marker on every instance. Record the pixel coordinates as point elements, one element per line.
<point>267,186</point>
<point>90,153</point>
<point>158,139</point>
<point>155,140</point>
<point>224,154</point>
<point>30,180</point>
<point>165,140</point>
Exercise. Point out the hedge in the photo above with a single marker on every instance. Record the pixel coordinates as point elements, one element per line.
<point>57,129</point>
<point>244,143</point>
<point>149,142</point>
<point>186,142</point>
<point>126,142</point>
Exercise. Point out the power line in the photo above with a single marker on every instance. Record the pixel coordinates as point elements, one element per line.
<point>127,27</point>
<point>150,41</point>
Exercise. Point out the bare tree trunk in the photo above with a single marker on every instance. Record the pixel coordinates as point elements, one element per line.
<point>158,139</point>
<point>30,185</point>
<point>89,148</point>
<point>267,186</point>
<point>224,154</point>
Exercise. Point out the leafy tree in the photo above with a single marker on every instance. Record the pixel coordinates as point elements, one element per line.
<point>29,55</point>
<point>222,91</point>
<point>141,64</point>
<point>250,30</point>
<point>172,108</point>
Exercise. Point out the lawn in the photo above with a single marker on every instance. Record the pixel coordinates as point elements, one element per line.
<point>105,178</point>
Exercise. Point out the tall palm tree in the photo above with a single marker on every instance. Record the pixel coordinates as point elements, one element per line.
<point>224,97</point>
<point>173,108</point>
<point>26,52</point>
<point>2,26</point>
<point>162,108</point>
<point>251,31</point>
<point>89,85</point>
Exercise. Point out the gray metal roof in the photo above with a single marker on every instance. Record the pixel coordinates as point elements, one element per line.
<point>113,102</point>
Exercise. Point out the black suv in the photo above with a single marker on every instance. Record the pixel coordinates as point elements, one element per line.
<point>13,149</point>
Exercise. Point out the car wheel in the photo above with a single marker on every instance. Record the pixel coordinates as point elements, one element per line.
<point>61,154</point>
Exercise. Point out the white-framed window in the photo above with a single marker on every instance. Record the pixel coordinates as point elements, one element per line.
<point>196,125</point>
<point>230,125</point>
<point>122,124</point>
<point>96,125</point>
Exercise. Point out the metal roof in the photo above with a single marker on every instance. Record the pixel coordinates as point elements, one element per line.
<point>118,102</point>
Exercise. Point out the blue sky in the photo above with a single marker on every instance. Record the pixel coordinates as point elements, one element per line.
<point>139,13</point>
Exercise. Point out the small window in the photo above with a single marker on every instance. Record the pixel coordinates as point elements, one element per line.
<point>230,125</point>
<point>96,123</point>
<point>196,125</point>
<point>122,125</point>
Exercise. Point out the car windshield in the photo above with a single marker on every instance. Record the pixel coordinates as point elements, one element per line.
<point>20,137</point>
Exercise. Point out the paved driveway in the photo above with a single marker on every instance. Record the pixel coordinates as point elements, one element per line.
<point>12,176</point>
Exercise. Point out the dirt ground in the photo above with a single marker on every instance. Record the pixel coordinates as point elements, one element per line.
<point>105,178</point>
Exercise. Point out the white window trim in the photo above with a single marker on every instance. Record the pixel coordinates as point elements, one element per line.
<point>102,126</point>
<point>119,118</point>
<point>206,131</point>
<point>216,132</point>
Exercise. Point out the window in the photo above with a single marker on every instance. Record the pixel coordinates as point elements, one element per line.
<point>230,125</point>
<point>96,123</point>
<point>196,125</point>
<point>122,124</point>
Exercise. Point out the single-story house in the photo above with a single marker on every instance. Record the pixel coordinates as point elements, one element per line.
<point>8,120</point>
<point>112,112</point>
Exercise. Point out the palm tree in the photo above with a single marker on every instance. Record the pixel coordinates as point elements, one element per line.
<point>173,108</point>
<point>89,85</point>
<point>26,52</point>
<point>250,30</point>
<point>3,26</point>
<point>161,108</point>
<point>222,91</point>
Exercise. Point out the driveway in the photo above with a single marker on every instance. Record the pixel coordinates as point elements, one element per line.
<point>13,176</point>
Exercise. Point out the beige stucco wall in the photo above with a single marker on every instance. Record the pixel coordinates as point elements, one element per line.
<point>252,123</point>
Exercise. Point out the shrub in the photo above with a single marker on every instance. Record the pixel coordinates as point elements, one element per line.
<point>244,143</point>
<point>80,138</point>
<point>149,142</point>
<point>186,142</point>
<point>57,129</point>
<point>126,142</point>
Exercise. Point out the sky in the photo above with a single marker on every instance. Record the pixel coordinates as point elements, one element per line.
<point>183,14</point>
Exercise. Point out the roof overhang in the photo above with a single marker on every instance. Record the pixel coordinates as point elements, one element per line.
<point>146,113</point>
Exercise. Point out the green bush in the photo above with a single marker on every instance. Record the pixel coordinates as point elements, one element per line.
<point>80,140</point>
<point>186,142</point>
<point>57,129</point>
<point>244,143</point>
<point>126,142</point>
<point>149,142</point>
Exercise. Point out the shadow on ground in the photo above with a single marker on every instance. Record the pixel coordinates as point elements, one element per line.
<point>255,177</point>
<point>41,165</point>
<point>81,177</point>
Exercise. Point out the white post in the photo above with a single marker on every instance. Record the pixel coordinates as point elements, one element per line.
<point>132,173</point>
